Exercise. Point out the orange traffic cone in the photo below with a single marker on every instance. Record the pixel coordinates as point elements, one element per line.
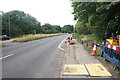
<point>94,50</point>
<point>65,41</point>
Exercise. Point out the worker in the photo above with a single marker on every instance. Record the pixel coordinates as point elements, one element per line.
<point>68,39</point>
<point>71,37</point>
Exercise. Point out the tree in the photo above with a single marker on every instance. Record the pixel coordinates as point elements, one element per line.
<point>95,16</point>
<point>24,23</point>
<point>67,29</point>
<point>48,28</point>
<point>56,28</point>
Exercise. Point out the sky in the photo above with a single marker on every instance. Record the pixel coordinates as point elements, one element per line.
<point>55,12</point>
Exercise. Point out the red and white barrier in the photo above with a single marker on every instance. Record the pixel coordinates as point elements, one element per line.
<point>113,47</point>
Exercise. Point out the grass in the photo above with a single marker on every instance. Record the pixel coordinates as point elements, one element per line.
<point>3,43</point>
<point>87,39</point>
<point>30,37</point>
<point>110,67</point>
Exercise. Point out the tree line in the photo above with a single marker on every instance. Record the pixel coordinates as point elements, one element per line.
<point>93,17</point>
<point>17,23</point>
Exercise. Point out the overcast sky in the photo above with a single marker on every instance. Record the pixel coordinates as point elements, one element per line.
<point>55,12</point>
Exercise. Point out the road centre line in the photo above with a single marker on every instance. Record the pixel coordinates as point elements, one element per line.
<point>6,56</point>
<point>60,45</point>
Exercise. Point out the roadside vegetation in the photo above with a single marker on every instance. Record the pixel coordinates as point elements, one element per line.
<point>86,40</point>
<point>93,17</point>
<point>18,23</point>
<point>3,43</point>
<point>23,27</point>
<point>30,37</point>
<point>92,20</point>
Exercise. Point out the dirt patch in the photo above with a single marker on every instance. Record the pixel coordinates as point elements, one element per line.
<point>115,72</point>
<point>70,56</point>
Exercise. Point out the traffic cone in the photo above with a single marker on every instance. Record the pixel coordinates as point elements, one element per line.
<point>94,50</point>
<point>65,41</point>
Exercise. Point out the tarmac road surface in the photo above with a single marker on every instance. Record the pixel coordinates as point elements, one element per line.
<point>33,59</point>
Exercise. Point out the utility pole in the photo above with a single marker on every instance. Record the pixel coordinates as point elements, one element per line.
<point>9,27</point>
<point>1,13</point>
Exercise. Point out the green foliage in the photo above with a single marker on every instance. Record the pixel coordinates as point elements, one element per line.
<point>82,28</point>
<point>67,29</point>
<point>20,23</point>
<point>23,24</point>
<point>94,17</point>
<point>0,24</point>
<point>48,28</point>
<point>56,28</point>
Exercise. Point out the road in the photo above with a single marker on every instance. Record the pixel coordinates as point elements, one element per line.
<point>33,59</point>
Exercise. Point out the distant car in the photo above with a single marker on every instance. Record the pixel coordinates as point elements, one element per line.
<point>4,37</point>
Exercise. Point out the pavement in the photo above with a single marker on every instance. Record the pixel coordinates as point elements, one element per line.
<point>34,59</point>
<point>77,54</point>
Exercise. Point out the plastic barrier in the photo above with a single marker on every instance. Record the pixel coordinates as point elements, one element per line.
<point>111,53</point>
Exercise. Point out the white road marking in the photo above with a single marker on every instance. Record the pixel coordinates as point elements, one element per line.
<point>6,56</point>
<point>60,45</point>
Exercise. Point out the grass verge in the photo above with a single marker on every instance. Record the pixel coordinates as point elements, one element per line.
<point>86,40</point>
<point>3,43</point>
<point>30,37</point>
